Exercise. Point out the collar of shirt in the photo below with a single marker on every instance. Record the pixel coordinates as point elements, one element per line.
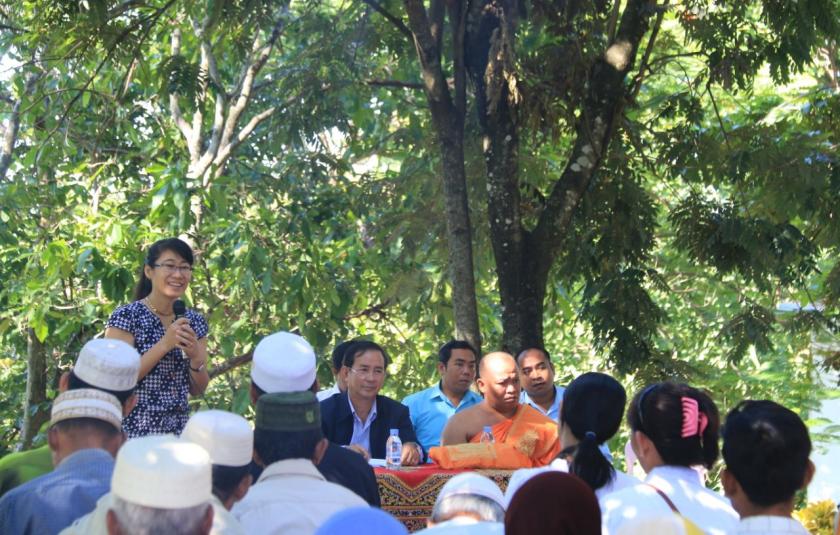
<point>291,467</point>
<point>438,393</point>
<point>553,411</point>
<point>770,524</point>
<point>83,457</point>
<point>664,477</point>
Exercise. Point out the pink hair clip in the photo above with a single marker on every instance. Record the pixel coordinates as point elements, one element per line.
<point>694,422</point>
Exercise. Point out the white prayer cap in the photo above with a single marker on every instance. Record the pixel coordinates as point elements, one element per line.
<point>109,364</point>
<point>521,476</point>
<point>472,483</point>
<point>227,437</point>
<point>283,362</point>
<point>87,403</point>
<point>163,472</point>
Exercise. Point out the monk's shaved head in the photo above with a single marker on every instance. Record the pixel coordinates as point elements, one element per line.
<point>495,362</point>
<point>498,382</point>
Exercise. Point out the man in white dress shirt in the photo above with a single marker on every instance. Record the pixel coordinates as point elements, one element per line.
<point>291,495</point>
<point>766,448</point>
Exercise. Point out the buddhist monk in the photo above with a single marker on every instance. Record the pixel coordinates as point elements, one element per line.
<point>523,437</point>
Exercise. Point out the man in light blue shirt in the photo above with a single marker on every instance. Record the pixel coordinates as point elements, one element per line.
<point>431,408</point>
<point>536,374</point>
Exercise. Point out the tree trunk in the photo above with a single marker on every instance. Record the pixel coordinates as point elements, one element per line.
<point>524,258</point>
<point>34,415</point>
<point>448,121</point>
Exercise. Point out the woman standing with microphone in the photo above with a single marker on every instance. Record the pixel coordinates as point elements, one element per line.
<point>172,343</point>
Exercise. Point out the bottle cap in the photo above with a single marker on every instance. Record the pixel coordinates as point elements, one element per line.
<point>487,429</point>
<point>395,432</point>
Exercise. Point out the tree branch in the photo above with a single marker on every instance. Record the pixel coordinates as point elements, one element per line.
<point>174,107</point>
<point>230,364</point>
<point>394,83</point>
<point>390,18</point>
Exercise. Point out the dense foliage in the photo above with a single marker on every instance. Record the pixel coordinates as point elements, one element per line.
<point>313,195</point>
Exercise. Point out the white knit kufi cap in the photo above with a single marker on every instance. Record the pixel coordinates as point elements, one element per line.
<point>227,437</point>
<point>109,364</point>
<point>163,472</point>
<point>87,403</point>
<point>283,362</point>
<point>472,483</point>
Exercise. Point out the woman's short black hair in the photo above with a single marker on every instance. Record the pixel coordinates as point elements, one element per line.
<point>176,245</point>
<point>592,408</point>
<point>657,411</point>
<point>766,447</point>
<point>359,347</point>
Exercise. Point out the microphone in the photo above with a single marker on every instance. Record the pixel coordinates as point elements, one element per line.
<point>179,308</point>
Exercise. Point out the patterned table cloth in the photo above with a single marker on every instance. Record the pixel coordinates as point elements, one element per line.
<point>410,492</point>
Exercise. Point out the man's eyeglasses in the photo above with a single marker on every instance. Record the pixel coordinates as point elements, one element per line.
<point>172,268</point>
<point>376,373</point>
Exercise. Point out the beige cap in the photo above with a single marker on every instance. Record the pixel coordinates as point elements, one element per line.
<point>163,472</point>
<point>109,364</point>
<point>283,362</point>
<point>472,483</point>
<point>87,403</point>
<point>227,437</point>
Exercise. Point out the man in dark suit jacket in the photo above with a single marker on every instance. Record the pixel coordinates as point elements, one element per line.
<point>362,419</point>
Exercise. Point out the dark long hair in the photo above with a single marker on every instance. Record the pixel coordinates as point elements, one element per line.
<point>657,411</point>
<point>177,246</point>
<point>592,408</point>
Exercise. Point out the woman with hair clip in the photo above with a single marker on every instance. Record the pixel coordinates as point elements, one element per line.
<point>173,350</point>
<point>590,414</point>
<point>674,429</point>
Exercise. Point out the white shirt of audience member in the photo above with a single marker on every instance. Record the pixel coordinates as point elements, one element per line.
<point>770,525</point>
<point>709,510</point>
<point>292,496</point>
<point>463,525</point>
<point>521,476</point>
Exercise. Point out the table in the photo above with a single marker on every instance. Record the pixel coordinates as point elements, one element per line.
<point>409,493</point>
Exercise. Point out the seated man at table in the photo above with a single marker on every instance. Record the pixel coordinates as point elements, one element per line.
<point>523,438</point>
<point>537,376</point>
<point>431,408</point>
<point>360,418</point>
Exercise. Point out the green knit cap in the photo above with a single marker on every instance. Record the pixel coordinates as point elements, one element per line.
<point>288,411</point>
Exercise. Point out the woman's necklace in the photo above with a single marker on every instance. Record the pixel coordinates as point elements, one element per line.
<point>155,310</point>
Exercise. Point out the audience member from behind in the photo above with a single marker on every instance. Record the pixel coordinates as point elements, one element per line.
<point>674,427</point>
<point>766,448</point>
<point>431,408</point>
<point>107,365</point>
<point>291,496</point>
<point>336,364</point>
<point>468,503</point>
<point>361,418</point>
<point>591,413</point>
<point>285,362</point>
<point>84,436</point>
<point>161,484</point>
<point>229,440</point>
<point>556,503</point>
<point>373,521</point>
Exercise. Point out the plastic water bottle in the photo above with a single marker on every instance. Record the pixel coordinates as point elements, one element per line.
<point>393,450</point>
<point>487,435</point>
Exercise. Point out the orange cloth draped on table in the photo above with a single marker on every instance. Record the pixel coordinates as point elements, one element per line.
<point>526,440</point>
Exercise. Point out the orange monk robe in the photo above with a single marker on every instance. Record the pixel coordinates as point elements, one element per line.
<point>526,440</point>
